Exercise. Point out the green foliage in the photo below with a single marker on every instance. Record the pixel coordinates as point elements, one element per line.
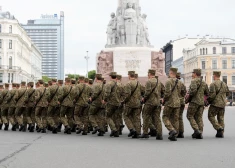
<point>74,76</point>
<point>91,74</point>
<point>45,78</point>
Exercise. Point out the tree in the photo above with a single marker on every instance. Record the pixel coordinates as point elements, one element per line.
<point>91,74</point>
<point>46,78</point>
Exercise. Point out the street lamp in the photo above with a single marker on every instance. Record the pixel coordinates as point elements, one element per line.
<point>87,58</point>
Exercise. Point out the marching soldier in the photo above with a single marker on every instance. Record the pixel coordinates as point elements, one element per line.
<point>4,107</point>
<point>197,90</point>
<point>132,105</point>
<point>217,98</point>
<point>55,97</point>
<point>1,101</point>
<point>172,105</point>
<point>20,106</point>
<point>42,96</point>
<point>182,94</point>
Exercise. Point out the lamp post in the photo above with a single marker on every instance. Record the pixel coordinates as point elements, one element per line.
<point>87,58</point>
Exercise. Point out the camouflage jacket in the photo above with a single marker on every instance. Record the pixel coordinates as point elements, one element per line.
<point>122,93</point>
<point>69,94</point>
<point>83,91</point>
<point>218,93</point>
<point>172,99</point>
<point>42,97</point>
<point>198,92</point>
<point>11,98</point>
<point>153,92</point>
<point>132,94</point>
<point>3,96</point>
<point>19,97</point>
<point>97,94</point>
<point>112,93</point>
<point>182,92</point>
<point>29,97</point>
<point>55,95</point>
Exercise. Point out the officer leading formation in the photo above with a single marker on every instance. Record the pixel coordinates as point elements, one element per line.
<point>86,107</point>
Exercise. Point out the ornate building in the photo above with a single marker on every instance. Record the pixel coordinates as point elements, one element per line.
<point>20,59</point>
<point>211,54</point>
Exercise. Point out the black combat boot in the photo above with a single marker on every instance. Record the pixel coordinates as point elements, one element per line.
<point>17,126</point>
<point>44,130</point>
<point>220,133</point>
<point>0,126</point>
<point>6,127</point>
<point>54,130</point>
<point>59,127</point>
<point>74,128</point>
<point>136,135</point>
<point>84,133</point>
<point>101,133</point>
<point>180,135</point>
<point>106,128</point>
<point>91,129</point>
<point>21,127</point>
<point>25,128</point>
<point>67,130</point>
<point>172,136</point>
<point>144,136</point>
<point>159,137</point>
<point>132,132</point>
<point>95,130</point>
<point>116,134</point>
<point>112,133</point>
<point>195,134</point>
<point>121,129</point>
<point>79,131</point>
<point>31,126</point>
<point>37,127</point>
<point>13,128</point>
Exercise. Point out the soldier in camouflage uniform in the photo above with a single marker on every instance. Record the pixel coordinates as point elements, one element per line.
<point>112,99</point>
<point>97,117</point>
<point>81,107</point>
<point>67,105</point>
<point>182,102</point>
<point>172,105</point>
<point>20,106</point>
<point>1,101</point>
<point>56,95</point>
<point>42,97</point>
<point>153,93</point>
<point>4,107</point>
<point>197,90</point>
<point>217,98</point>
<point>12,106</point>
<point>132,105</point>
<point>29,100</point>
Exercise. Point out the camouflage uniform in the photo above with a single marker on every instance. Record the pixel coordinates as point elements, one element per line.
<point>152,108</point>
<point>1,101</point>
<point>5,106</point>
<point>196,106</point>
<point>20,106</point>
<point>133,106</point>
<point>42,96</point>
<point>81,107</point>
<point>217,96</point>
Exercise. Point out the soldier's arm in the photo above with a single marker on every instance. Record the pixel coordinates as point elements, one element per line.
<point>127,92</point>
<point>107,92</point>
<point>193,88</point>
<point>183,90</point>
<point>168,90</point>
<point>162,90</point>
<point>148,89</point>
<point>206,93</point>
<point>227,90</point>
<point>37,95</point>
<point>212,92</point>
<point>48,94</point>
<point>95,92</point>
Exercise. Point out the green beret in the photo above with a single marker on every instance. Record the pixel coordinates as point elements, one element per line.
<point>46,84</point>
<point>81,78</point>
<point>98,76</point>
<point>152,71</point>
<point>60,81</point>
<point>86,80</point>
<point>14,84</point>
<point>197,71</point>
<point>217,73</point>
<point>49,82</point>
<point>68,80</point>
<point>174,69</point>
<point>119,77</point>
<point>40,81</point>
<point>54,80</point>
<point>23,83</point>
<point>131,72</point>
<point>178,75</point>
<point>31,84</point>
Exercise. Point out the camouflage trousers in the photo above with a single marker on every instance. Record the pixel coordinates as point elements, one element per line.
<point>41,116</point>
<point>171,118</point>
<point>4,115</point>
<point>51,115</point>
<point>1,118</point>
<point>132,118</point>
<point>181,119</point>
<point>11,115</point>
<point>195,116</point>
<point>152,119</point>
<point>219,112</point>
<point>81,117</point>
<point>30,115</point>
<point>97,117</point>
<point>66,115</point>
<point>20,114</point>
<point>111,114</point>
<point>119,118</point>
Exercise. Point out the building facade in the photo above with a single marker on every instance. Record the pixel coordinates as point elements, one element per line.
<point>20,59</point>
<point>179,63</point>
<point>48,35</point>
<point>211,54</point>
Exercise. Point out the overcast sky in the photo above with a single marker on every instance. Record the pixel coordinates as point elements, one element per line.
<point>86,22</point>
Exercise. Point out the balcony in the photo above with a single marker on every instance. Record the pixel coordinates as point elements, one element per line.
<point>10,68</point>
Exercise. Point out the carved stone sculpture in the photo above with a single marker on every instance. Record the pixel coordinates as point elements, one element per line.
<point>111,31</point>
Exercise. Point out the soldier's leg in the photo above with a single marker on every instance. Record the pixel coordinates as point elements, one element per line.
<point>69,114</point>
<point>166,118</point>
<point>110,112</point>
<point>44,117</point>
<point>157,120</point>
<point>192,110</point>
<point>38,117</point>
<point>11,115</point>
<point>101,119</point>
<point>199,118</point>
<point>92,116</point>
<point>1,120</point>
<point>176,112</point>
<point>85,120</point>
<point>78,116</point>
<point>50,117</point>
<point>28,115</point>
<point>220,117</point>
<point>128,118</point>
<point>146,115</point>
<point>181,119</point>
<point>137,120</point>
<point>56,116</point>
<point>18,115</point>
<point>64,119</point>
<point>212,113</point>
<point>4,112</point>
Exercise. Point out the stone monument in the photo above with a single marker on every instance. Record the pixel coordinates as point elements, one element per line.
<point>128,45</point>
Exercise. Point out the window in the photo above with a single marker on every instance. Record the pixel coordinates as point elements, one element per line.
<point>10,29</point>
<point>206,51</point>
<point>225,79</point>
<point>10,63</point>
<point>0,43</point>
<point>224,64</point>
<point>12,78</point>
<point>0,28</point>
<point>233,80</point>
<point>203,64</point>
<point>10,44</point>
<point>1,75</point>
<point>9,76</point>
<point>224,50</point>
<point>233,64</point>
<point>233,50</point>
<point>203,51</point>
<point>214,64</point>
<point>0,62</point>
<point>200,51</point>
<point>214,50</point>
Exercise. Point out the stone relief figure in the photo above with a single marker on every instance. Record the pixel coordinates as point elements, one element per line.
<point>120,27</point>
<point>145,28</point>
<point>158,62</point>
<point>111,31</point>
<point>105,63</point>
